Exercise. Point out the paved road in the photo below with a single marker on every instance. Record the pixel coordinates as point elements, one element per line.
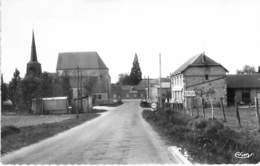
<point>120,136</point>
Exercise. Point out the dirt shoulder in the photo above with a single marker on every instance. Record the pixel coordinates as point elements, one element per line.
<point>205,141</point>
<point>32,120</point>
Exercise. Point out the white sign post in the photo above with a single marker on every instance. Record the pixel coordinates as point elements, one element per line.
<point>190,93</point>
<point>154,106</point>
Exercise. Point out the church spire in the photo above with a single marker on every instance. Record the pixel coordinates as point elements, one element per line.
<point>33,66</point>
<point>33,50</point>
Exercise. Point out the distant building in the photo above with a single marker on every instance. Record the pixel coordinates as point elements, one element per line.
<point>87,73</point>
<point>128,92</point>
<point>244,87</point>
<point>33,66</point>
<point>140,91</point>
<point>153,92</point>
<point>199,72</point>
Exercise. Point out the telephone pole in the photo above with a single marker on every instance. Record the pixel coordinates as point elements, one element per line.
<point>160,74</point>
<point>148,93</point>
<point>77,92</point>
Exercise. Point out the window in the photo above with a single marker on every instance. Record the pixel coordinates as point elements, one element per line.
<point>206,77</point>
<point>99,97</point>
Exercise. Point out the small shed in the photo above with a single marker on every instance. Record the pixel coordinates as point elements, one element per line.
<point>50,105</point>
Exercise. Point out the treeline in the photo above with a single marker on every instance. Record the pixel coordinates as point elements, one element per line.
<point>22,91</point>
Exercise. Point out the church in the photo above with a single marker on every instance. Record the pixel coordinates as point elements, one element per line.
<point>87,74</point>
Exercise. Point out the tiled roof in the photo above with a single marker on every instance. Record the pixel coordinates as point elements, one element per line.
<point>83,60</point>
<point>243,81</point>
<point>197,60</point>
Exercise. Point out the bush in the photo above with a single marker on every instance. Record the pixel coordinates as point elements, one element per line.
<point>145,104</point>
<point>8,130</point>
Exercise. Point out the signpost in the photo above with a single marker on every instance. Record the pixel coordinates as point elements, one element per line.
<point>154,106</point>
<point>190,93</point>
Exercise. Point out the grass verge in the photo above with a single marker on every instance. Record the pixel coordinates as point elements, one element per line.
<point>13,138</point>
<point>206,141</point>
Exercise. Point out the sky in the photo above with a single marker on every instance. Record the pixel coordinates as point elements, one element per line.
<point>228,31</point>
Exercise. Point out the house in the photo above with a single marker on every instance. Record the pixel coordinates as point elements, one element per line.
<point>244,87</point>
<point>87,74</point>
<point>199,73</point>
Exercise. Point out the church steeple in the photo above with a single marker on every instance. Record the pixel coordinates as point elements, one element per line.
<point>33,50</point>
<point>33,66</point>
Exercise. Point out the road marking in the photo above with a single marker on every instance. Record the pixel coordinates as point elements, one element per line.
<point>177,154</point>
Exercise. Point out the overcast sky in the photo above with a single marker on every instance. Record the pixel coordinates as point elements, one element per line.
<point>227,30</point>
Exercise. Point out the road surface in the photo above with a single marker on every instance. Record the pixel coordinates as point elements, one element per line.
<point>119,136</point>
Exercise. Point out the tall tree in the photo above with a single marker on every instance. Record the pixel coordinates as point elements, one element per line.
<point>136,74</point>
<point>14,88</point>
<point>4,90</point>
<point>247,70</point>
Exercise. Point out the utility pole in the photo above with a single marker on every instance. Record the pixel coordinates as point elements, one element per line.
<point>148,93</point>
<point>77,92</point>
<point>160,74</point>
<point>81,93</point>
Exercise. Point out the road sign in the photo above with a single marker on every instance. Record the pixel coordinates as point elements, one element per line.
<point>154,105</point>
<point>190,93</point>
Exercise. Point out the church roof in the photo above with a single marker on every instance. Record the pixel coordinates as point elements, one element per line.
<point>197,60</point>
<point>83,60</point>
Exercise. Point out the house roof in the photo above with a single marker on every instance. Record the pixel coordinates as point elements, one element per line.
<point>83,60</point>
<point>197,60</point>
<point>243,81</point>
<point>152,82</point>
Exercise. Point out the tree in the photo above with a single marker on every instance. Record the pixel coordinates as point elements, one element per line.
<point>124,79</point>
<point>31,88</point>
<point>46,85</point>
<point>4,90</point>
<point>206,94</point>
<point>136,74</point>
<point>14,88</point>
<point>247,70</point>
<point>66,88</point>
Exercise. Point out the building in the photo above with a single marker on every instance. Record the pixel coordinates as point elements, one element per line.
<point>153,92</point>
<point>87,74</point>
<point>146,89</point>
<point>198,73</point>
<point>33,66</point>
<point>243,87</point>
<point>128,92</point>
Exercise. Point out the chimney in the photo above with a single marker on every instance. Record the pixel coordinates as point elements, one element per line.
<point>203,60</point>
